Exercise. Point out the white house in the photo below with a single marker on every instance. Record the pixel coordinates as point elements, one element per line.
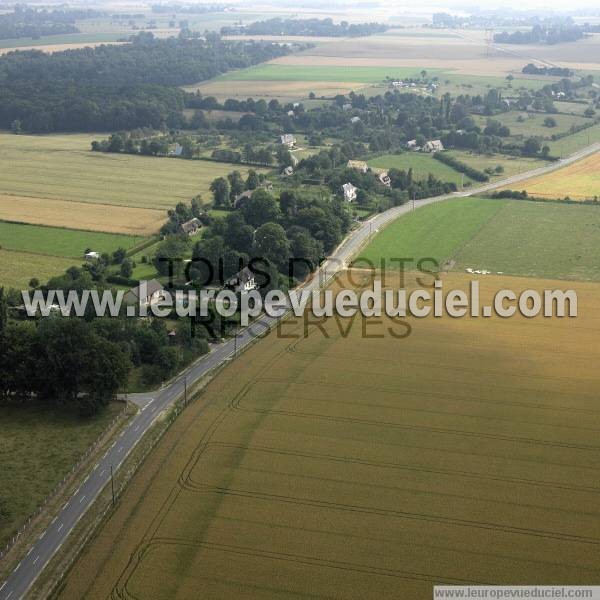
<point>288,171</point>
<point>178,150</point>
<point>91,255</point>
<point>354,120</point>
<point>411,144</point>
<point>347,106</point>
<point>148,292</point>
<point>244,281</point>
<point>349,192</point>
<point>288,139</point>
<point>433,146</point>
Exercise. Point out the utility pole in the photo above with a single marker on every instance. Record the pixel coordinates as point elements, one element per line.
<point>112,485</point>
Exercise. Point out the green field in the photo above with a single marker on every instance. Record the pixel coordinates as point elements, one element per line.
<point>534,126</point>
<point>511,164</point>
<point>511,237</point>
<point>269,72</point>
<point>17,268</point>
<point>55,241</point>
<point>421,164</point>
<point>572,143</point>
<point>63,167</point>
<point>38,446</point>
<point>435,231</point>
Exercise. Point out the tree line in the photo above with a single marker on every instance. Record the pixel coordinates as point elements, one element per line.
<point>309,27</point>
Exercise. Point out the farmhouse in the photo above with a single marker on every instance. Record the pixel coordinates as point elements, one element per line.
<point>433,146</point>
<point>148,292</point>
<point>243,281</point>
<point>288,171</point>
<point>411,145</point>
<point>384,179</point>
<point>191,227</point>
<point>358,165</point>
<point>91,255</point>
<point>349,192</point>
<point>288,139</point>
<point>240,199</point>
<point>354,119</point>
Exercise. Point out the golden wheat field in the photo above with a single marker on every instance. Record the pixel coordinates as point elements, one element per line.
<point>578,181</point>
<point>352,463</point>
<point>81,215</point>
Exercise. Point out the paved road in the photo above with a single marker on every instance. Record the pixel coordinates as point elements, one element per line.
<point>151,405</point>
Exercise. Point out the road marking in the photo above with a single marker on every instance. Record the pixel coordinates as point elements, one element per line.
<point>53,520</point>
<point>9,595</point>
<point>103,471</point>
<point>120,449</point>
<point>36,559</point>
<point>76,492</point>
<point>65,506</point>
<point>96,466</point>
<point>43,534</point>
<point>17,568</point>
<point>60,527</point>
<point>85,480</point>
<point>136,429</point>
<point>30,551</point>
<point>3,586</point>
<point>82,499</point>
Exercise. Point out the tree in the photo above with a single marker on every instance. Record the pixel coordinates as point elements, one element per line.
<point>3,314</point>
<point>252,180</point>
<point>550,122</point>
<point>34,282</point>
<point>126,268</point>
<point>531,146</point>
<point>220,189</point>
<point>306,252</point>
<point>236,184</point>
<point>260,208</point>
<point>170,256</point>
<point>15,127</point>
<point>272,244</point>
<point>119,255</point>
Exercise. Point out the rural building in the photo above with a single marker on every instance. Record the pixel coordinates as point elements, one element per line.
<point>291,113</point>
<point>191,227</point>
<point>433,146</point>
<point>358,165</point>
<point>349,192</point>
<point>243,281</point>
<point>346,106</point>
<point>288,139</point>
<point>384,179</point>
<point>240,199</point>
<point>354,119</point>
<point>148,292</point>
<point>411,144</point>
<point>91,255</point>
<point>177,151</point>
<point>288,171</point>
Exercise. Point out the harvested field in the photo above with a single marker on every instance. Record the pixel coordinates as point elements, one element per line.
<point>284,90</point>
<point>63,167</point>
<point>346,466</point>
<point>578,181</point>
<point>81,215</point>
